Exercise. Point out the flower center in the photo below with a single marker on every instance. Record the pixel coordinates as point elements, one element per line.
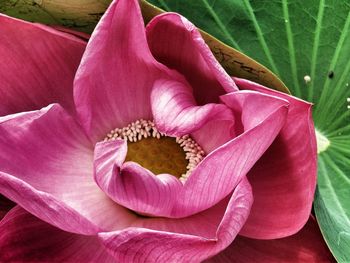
<point>157,152</point>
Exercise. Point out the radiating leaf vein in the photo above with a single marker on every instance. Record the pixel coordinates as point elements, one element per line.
<point>291,49</point>
<point>315,48</point>
<point>222,27</point>
<point>261,37</point>
<point>328,182</point>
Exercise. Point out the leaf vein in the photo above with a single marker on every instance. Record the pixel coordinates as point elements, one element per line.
<point>220,24</point>
<point>291,48</point>
<point>261,37</point>
<point>315,49</point>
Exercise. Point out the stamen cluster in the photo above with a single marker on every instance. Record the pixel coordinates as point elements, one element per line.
<point>135,131</point>
<point>142,129</point>
<point>194,154</point>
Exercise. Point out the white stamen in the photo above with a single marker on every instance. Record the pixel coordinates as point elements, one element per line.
<point>140,129</point>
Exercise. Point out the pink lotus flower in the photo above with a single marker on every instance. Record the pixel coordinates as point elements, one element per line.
<point>80,200</point>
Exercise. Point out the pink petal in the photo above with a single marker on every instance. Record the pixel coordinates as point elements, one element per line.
<point>25,238</point>
<point>142,191</point>
<point>114,80</point>
<point>284,179</point>
<point>45,206</point>
<point>106,156</point>
<point>175,111</point>
<point>220,171</point>
<point>214,134</point>
<point>136,244</point>
<point>37,67</point>
<point>47,167</point>
<point>176,42</point>
<point>251,108</point>
<point>305,246</point>
<point>130,184</point>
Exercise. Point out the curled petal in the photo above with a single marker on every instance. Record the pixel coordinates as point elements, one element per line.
<point>131,185</point>
<point>175,111</point>
<point>37,66</point>
<point>284,179</point>
<point>137,244</point>
<point>106,156</point>
<point>142,191</point>
<point>177,43</point>
<point>25,238</point>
